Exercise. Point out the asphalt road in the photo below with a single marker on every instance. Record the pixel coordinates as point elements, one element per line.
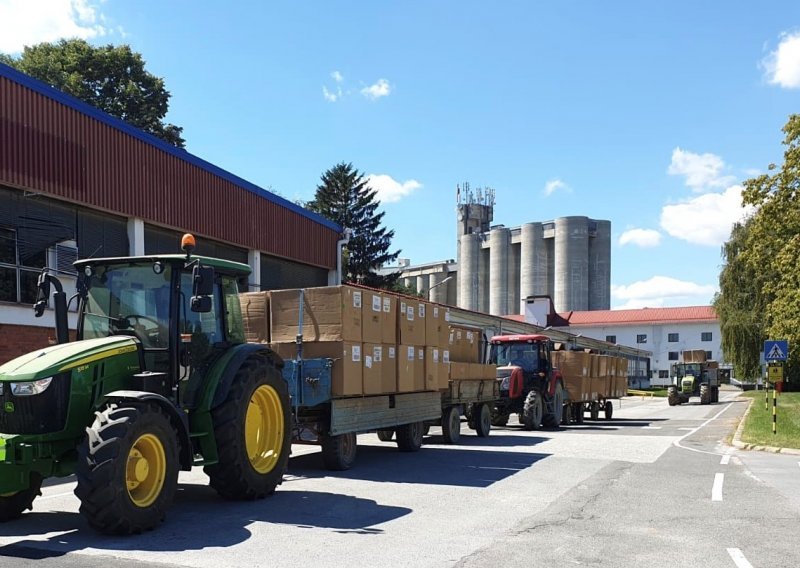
<point>656,486</point>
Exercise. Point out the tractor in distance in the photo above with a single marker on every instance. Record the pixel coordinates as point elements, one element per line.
<point>159,379</point>
<point>693,376</point>
<point>529,386</point>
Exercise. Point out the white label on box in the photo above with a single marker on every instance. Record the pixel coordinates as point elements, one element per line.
<point>357,300</point>
<point>377,354</point>
<point>470,336</point>
<point>356,353</point>
<point>410,353</point>
<point>447,315</point>
<point>458,335</point>
<point>368,362</point>
<point>435,355</point>
<point>421,354</point>
<point>421,311</point>
<point>435,312</point>
<point>391,352</point>
<point>445,356</point>
<point>402,307</point>
<point>376,303</point>
<point>387,305</point>
<point>410,313</point>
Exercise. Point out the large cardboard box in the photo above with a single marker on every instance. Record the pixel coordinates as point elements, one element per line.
<point>478,371</point>
<point>458,370</point>
<point>694,356</point>
<point>464,344</point>
<point>406,365</point>
<point>578,387</point>
<point>372,317</point>
<point>410,326</point>
<point>600,387</point>
<point>331,313</point>
<point>572,363</point>
<point>255,316</point>
<point>390,367</point>
<point>378,379</point>
<point>435,324</point>
<point>433,368</point>
<point>444,332</point>
<point>602,366</point>
<point>389,320</point>
<point>347,371</point>
<point>419,370</point>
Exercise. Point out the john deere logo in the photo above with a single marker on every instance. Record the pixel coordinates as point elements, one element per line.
<point>9,407</point>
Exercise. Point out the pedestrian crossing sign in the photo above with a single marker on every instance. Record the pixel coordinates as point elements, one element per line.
<point>777,350</point>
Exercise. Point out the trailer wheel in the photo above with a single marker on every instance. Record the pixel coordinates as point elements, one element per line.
<point>531,416</point>
<point>578,411</point>
<point>483,419</point>
<point>385,435</point>
<point>499,418</point>
<point>672,396</point>
<point>609,410</point>
<point>594,411</point>
<point>553,419</point>
<point>253,432</point>
<point>339,452</point>
<point>566,416</point>
<point>409,437</point>
<point>127,469</point>
<point>451,425</point>
<point>12,505</point>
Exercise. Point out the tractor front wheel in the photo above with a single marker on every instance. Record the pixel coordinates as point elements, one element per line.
<point>127,469</point>
<point>12,505</point>
<point>531,417</point>
<point>672,396</point>
<point>553,419</point>
<point>253,432</point>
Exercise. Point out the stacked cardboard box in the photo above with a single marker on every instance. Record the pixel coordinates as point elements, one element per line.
<point>575,368</point>
<point>465,344</point>
<point>694,356</point>
<point>255,316</point>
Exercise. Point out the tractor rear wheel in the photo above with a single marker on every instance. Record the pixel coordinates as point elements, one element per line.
<point>531,416</point>
<point>705,394</point>
<point>339,452</point>
<point>12,505</point>
<point>553,419</point>
<point>499,418</point>
<point>253,432</point>
<point>385,435</point>
<point>451,425</point>
<point>483,419</point>
<point>127,469</point>
<point>409,437</point>
<point>609,410</point>
<point>672,396</point>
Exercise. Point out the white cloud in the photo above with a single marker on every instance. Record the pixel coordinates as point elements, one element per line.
<point>702,171</point>
<point>379,89</point>
<point>24,22</point>
<point>660,291</point>
<point>331,96</point>
<point>706,219</point>
<point>389,190</point>
<point>554,185</point>
<point>644,238</point>
<point>782,66</point>
<point>336,76</point>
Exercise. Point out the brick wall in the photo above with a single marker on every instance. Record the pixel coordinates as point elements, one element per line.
<point>16,340</point>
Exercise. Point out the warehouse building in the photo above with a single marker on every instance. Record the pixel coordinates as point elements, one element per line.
<point>497,268</point>
<point>77,183</point>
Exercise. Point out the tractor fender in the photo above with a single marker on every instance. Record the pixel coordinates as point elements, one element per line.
<point>177,418</point>
<point>555,378</point>
<point>232,364</point>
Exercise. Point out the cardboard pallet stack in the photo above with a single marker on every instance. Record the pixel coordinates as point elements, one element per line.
<point>575,367</point>
<point>465,344</point>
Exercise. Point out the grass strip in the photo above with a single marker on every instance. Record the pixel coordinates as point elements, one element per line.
<point>758,426</point>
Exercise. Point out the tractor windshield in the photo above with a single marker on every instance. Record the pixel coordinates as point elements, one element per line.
<point>687,370</point>
<point>525,355</point>
<point>129,299</point>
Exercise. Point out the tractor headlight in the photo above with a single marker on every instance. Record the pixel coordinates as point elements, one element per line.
<point>31,388</point>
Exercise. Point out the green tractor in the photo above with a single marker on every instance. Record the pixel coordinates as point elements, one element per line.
<point>158,380</point>
<point>694,379</point>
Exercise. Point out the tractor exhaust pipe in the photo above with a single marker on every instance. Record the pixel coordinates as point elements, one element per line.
<point>59,300</point>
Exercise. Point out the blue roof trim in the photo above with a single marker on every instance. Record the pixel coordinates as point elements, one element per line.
<point>114,122</point>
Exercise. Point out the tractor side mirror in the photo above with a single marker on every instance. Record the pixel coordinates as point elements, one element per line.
<point>202,288</point>
<point>42,294</point>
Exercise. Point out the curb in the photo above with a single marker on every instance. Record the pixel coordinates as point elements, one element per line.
<point>737,439</point>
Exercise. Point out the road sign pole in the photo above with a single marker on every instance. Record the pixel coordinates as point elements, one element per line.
<point>774,412</point>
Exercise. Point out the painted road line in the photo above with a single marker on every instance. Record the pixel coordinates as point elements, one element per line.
<point>651,427</point>
<point>716,490</point>
<point>687,429</point>
<point>738,558</point>
<point>677,443</point>
<point>725,459</point>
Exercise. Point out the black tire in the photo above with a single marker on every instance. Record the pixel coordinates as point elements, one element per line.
<point>115,498</point>
<point>566,416</point>
<point>257,389</point>
<point>578,412</point>
<point>705,394</point>
<point>609,410</point>
<point>385,435</point>
<point>594,411</point>
<point>409,437</point>
<point>672,396</point>
<point>339,452</point>
<point>451,425</point>
<point>531,416</point>
<point>553,419</point>
<point>483,420</point>
<point>13,505</point>
<point>499,418</point>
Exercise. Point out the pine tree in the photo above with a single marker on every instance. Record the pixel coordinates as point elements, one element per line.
<point>344,197</point>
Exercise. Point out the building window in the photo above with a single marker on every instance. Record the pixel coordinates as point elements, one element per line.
<point>641,338</point>
<point>663,374</point>
<point>705,336</point>
<point>672,337</point>
<point>673,356</point>
<point>611,338</point>
<point>709,356</point>
<point>18,274</point>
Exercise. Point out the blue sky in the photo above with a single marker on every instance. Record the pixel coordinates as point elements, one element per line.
<point>646,115</point>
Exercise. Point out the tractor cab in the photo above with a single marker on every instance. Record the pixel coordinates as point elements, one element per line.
<point>523,361</point>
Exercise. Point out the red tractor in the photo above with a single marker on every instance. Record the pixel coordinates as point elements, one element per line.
<point>529,386</point>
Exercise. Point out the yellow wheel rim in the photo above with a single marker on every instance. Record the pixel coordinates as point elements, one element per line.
<point>146,470</point>
<point>263,429</point>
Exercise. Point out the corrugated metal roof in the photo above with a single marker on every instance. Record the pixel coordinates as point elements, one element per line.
<point>641,315</point>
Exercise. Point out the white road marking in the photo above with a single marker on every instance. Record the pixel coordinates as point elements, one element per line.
<point>738,558</point>
<point>651,427</point>
<point>725,459</point>
<point>716,490</point>
<point>678,444</point>
<point>687,429</point>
